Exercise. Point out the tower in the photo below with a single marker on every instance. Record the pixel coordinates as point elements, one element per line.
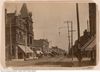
<point>24,11</point>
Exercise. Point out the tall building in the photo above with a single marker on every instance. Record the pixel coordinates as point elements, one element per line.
<point>19,34</point>
<point>92,18</point>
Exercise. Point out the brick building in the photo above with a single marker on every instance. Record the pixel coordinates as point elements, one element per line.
<point>88,40</point>
<point>19,34</point>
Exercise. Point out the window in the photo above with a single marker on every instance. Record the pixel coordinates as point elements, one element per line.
<point>30,40</point>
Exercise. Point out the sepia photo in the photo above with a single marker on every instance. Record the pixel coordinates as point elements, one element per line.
<point>50,34</point>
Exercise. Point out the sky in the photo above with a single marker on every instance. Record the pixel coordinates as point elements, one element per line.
<point>48,17</point>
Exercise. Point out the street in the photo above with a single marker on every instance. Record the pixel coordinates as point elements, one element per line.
<point>52,37</point>
<point>58,61</point>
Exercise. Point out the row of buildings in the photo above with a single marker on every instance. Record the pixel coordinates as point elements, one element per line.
<point>19,35</point>
<point>87,41</point>
<point>20,42</point>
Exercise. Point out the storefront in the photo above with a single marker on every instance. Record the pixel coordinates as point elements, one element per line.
<point>89,49</point>
<point>24,52</point>
<point>92,49</point>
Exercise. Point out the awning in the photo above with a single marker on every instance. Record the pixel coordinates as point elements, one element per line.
<point>26,49</point>
<point>90,44</point>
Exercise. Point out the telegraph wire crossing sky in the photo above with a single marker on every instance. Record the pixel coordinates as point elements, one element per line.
<point>49,17</point>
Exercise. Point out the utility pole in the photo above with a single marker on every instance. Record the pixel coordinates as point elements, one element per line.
<point>68,36</point>
<point>78,30</point>
<point>72,39</point>
<point>78,25</point>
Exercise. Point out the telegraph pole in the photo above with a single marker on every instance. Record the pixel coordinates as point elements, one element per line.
<point>78,30</point>
<point>68,36</point>
<point>72,39</point>
<point>78,25</point>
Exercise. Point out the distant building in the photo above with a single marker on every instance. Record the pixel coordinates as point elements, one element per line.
<point>19,34</point>
<point>41,44</point>
<point>58,51</point>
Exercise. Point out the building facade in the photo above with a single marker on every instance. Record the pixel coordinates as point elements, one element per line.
<point>57,51</point>
<point>88,40</point>
<point>19,34</point>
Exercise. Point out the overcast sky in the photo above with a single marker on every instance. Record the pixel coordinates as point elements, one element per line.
<point>48,17</point>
